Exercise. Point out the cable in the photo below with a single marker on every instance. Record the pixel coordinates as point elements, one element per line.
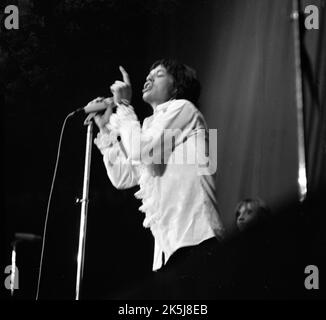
<point>49,202</point>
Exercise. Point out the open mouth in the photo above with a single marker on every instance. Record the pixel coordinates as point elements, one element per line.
<point>147,86</point>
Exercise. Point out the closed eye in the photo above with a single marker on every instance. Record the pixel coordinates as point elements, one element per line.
<point>160,73</point>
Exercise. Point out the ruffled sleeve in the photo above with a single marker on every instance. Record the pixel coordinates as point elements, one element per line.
<point>121,171</point>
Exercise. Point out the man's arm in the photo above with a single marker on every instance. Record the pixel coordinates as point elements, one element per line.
<point>173,124</point>
<point>121,172</point>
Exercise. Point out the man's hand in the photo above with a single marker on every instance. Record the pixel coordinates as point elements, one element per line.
<point>102,120</point>
<point>121,90</point>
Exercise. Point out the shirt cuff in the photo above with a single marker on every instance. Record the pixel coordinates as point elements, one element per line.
<point>103,141</point>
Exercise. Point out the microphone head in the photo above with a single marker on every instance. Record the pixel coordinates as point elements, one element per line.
<point>99,106</point>
<point>27,237</point>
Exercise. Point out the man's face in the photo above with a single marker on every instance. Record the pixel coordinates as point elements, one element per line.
<point>158,87</point>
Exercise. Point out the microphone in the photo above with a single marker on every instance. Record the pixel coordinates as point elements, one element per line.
<point>97,106</point>
<point>27,237</point>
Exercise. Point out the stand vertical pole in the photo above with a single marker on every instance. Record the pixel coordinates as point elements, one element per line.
<point>84,207</point>
<point>13,269</point>
<point>302,172</point>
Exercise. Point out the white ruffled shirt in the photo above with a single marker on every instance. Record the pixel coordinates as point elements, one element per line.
<point>166,158</point>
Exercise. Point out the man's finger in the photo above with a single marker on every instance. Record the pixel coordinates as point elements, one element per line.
<point>125,75</point>
<point>97,120</point>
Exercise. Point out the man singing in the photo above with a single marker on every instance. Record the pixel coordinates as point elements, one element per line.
<point>166,157</point>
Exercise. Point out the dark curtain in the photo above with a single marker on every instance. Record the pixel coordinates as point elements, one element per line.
<point>250,99</point>
<point>249,95</point>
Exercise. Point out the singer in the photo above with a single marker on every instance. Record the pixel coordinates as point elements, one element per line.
<point>178,198</point>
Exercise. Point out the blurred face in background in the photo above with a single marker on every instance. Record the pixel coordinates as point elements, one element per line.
<point>246,216</point>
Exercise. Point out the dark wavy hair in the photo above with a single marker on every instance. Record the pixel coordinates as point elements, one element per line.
<point>185,79</point>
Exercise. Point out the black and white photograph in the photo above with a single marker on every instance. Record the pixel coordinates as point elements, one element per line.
<point>163,150</point>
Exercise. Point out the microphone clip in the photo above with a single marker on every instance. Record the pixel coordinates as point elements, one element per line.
<point>89,118</point>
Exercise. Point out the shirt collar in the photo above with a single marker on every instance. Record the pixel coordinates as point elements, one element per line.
<point>163,106</point>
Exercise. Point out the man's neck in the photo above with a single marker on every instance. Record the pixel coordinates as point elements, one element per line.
<point>154,105</point>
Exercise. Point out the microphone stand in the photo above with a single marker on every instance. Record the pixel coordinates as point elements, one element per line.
<point>19,237</point>
<point>302,171</point>
<point>13,268</point>
<point>84,204</point>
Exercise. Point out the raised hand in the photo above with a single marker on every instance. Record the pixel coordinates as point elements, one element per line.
<point>121,90</point>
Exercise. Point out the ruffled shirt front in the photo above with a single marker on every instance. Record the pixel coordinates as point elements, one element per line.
<point>165,158</point>
<point>146,194</point>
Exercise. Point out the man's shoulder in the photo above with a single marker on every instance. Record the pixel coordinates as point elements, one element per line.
<point>190,108</point>
<point>184,105</point>
<point>183,102</point>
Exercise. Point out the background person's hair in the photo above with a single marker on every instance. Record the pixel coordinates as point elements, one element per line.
<point>257,205</point>
<point>185,79</point>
